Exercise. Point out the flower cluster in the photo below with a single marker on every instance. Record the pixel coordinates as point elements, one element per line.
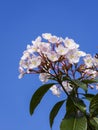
<point>55,58</point>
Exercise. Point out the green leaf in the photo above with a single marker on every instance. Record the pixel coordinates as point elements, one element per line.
<point>74,123</point>
<point>54,111</point>
<point>94,106</point>
<point>75,109</point>
<point>75,105</point>
<point>89,81</point>
<point>89,96</point>
<point>80,104</point>
<point>38,95</point>
<point>94,122</point>
<point>80,84</point>
<point>70,107</point>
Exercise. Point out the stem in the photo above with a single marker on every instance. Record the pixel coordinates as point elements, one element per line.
<point>62,87</point>
<point>59,81</point>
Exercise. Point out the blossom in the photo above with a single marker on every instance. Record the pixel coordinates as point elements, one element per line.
<point>91,73</point>
<point>73,56</point>
<point>88,60</point>
<point>21,70</point>
<point>54,39</point>
<point>55,90</point>
<point>69,43</point>
<point>36,44</point>
<point>33,48</point>
<point>53,56</point>
<point>67,86</point>
<point>81,53</point>
<point>46,36</point>
<point>95,61</point>
<point>44,77</point>
<point>60,56</point>
<point>37,40</point>
<point>61,50</point>
<point>44,47</point>
<point>60,40</point>
<point>25,55</point>
<point>23,64</point>
<point>50,38</point>
<point>29,49</point>
<point>34,62</point>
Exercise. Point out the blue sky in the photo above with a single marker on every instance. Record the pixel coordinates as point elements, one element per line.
<point>21,21</point>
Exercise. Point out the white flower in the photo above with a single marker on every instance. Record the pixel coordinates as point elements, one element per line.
<point>32,49</point>
<point>91,73</point>
<point>54,39</point>
<point>44,47</point>
<point>25,55</point>
<point>34,62</point>
<point>67,86</point>
<point>35,47</point>
<point>44,77</point>
<point>69,43</point>
<point>53,56</point>
<point>29,49</point>
<point>72,56</point>
<point>46,36</point>
<point>20,76</point>
<point>50,38</point>
<point>60,40</point>
<point>36,44</point>
<point>55,90</point>
<point>81,53</point>
<point>88,60</point>
<point>61,50</point>
<point>37,40</point>
<point>95,61</point>
<point>23,64</point>
<point>21,70</point>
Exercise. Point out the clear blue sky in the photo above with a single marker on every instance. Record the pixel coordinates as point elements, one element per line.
<point>21,21</point>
